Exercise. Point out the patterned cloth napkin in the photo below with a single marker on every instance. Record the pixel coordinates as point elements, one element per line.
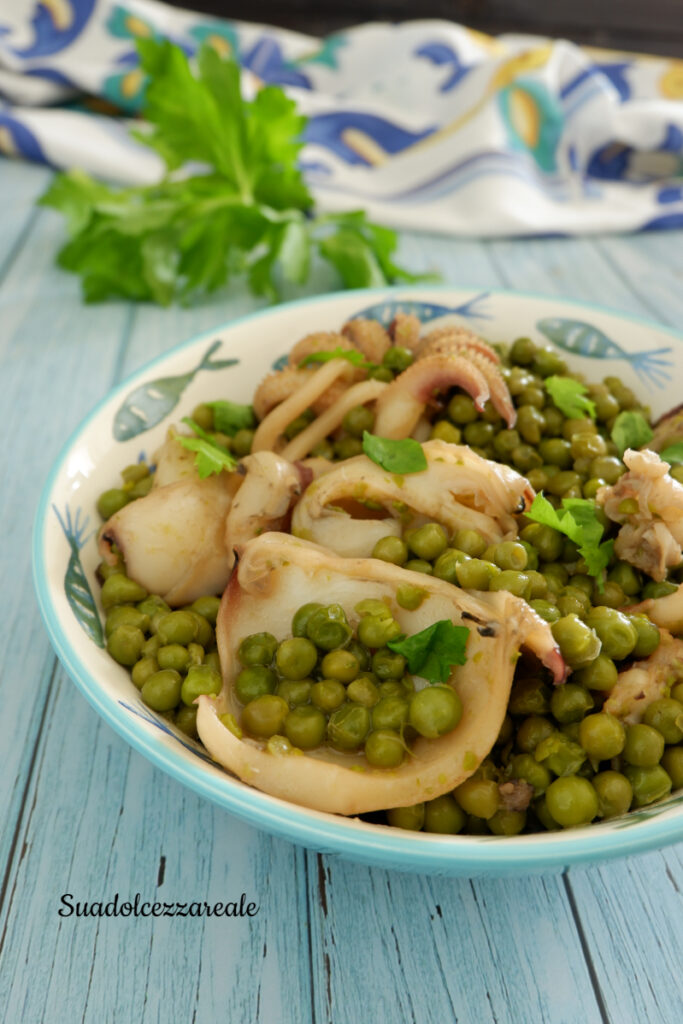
<point>425,124</point>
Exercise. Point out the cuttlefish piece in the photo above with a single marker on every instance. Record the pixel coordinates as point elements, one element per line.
<point>646,681</point>
<point>276,575</point>
<point>666,612</point>
<point>275,423</point>
<point>459,489</point>
<point>650,538</point>
<point>455,340</point>
<point>276,387</point>
<point>172,540</point>
<point>369,337</point>
<point>270,485</point>
<point>323,425</point>
<point>173,463</point>
<point>401,405</point>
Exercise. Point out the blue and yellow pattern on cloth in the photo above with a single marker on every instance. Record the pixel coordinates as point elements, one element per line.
<point>425,124</point>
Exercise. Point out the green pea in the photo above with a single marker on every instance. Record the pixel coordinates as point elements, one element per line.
<point>545,540</point>
<point>203,415</point>
<point>126,615</point>
<point>507,823</point>
<point>602,736</point>
<point>544,817</point>
<point>390,713</point>
<point>173,656</point>
<point>382,373</point>
<point>120,589</point>
<point>112,501</point>
<point>212,658</point>
<point>357,420</point>
<point>677,692</point>
<point>570,702</point>
<point>152,604</point>
<point>410,818</point>
<point>295,691</point>
<point>342,665</point>
<point>409,596</point>
<point>161,691</point>
<point>510,554</point>
<point>323,450</point>
<point>554,421</point>
<point>200,679</point>
<point>479,434</point>
<point>615,793</point>
<point>556,452</point>
<point>601,674</point>
<point>547,363</point>
<point>186,720</point>
<point>397,358</point>
<point>571,801</point>
<point>672,763</point>
<point>561,755</point>
<point>179,627</point>
<point>328,694</point>
<point>479,797</point>
<point>546,609</point>
<point>579,644</point>
<point>298,424</point>
<point>265,716</point>
<point>662,589</point>
<point>363,691</point>
<point>391,549</point>
<point>666,716</point>
<point>515,582</point>
<point>205,633</point>
<point>254,682</point>
<point>445,566</point>
<point>141,488</point>
<point>649,636</point>
<point>328,628</point>
<point>532,731</point>
<point>616,632</point>
<point>530,423</point>
<point>196,653</point>
<point>143,669</point>
<point>257,649</point>
<point>523,351</point>
<point>525,458</point>
<point>476,574</point>
<point>469,541</point>
<point>384,748</point>
<point>434,711</point>
<point>125,644</point>
<point>644,746</point>
<point>504,443</point>
<point>104,570</point>
<point>628,578</point>
<point>388,665</point>
<point>242,442</point>
<point>526,767</point>
<point>649,784</point>
<point>305,727</point>
<point>375,632</point>
<point>443,816</point>
<point>556,577</point>
<point>461,410</point>
<point>296,657</point>
<point>301,617</point>
<point>445,431</point>
<point>151,646</point>
<point>348,447</point>
<point>573,601</point>
<point>348,726</point>
<point>529,696</point>
<point>563,482</point>
<point>427,541</point>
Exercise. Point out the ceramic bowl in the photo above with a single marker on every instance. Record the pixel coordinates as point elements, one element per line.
<point>228,362</point>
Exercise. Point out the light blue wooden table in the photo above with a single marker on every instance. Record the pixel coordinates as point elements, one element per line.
<point>83,814</point>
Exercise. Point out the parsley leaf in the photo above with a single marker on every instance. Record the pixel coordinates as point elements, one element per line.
<point>229,417</point>
<point>406,456</point>
<point>569,396</point>
<point>673,453</point>
<point>631,430</point>
<point>352,356</point>
<point>578,520</point>
<point>210,456</point>
<point>247,212</point>
<point>433,651</point>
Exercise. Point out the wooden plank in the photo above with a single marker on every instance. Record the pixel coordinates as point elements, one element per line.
<point>437,949</point>
<point>631,914</point>
<point>47,386</point>
<point>22,184</point>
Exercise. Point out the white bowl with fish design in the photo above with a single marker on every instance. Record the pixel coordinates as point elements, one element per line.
<point>229,362</point>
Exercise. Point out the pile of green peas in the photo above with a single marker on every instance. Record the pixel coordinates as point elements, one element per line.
<point>171,654</point>
<point>580,763</point>
<point>326,686</point>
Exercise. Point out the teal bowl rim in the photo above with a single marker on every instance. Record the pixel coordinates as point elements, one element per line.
<point>372,844</point>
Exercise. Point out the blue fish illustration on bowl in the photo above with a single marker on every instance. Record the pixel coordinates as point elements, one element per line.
<point>583,339</point>
<point>426,312</point>
<point>152,401</point>
<point>76,586</point>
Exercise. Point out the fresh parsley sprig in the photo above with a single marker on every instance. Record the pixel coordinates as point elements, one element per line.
<point>433,651</point>
<point>246,212</point>
<point>578,520</point>
<point>569,396</point>
<point>402,456</point>
<point>210,456</point>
